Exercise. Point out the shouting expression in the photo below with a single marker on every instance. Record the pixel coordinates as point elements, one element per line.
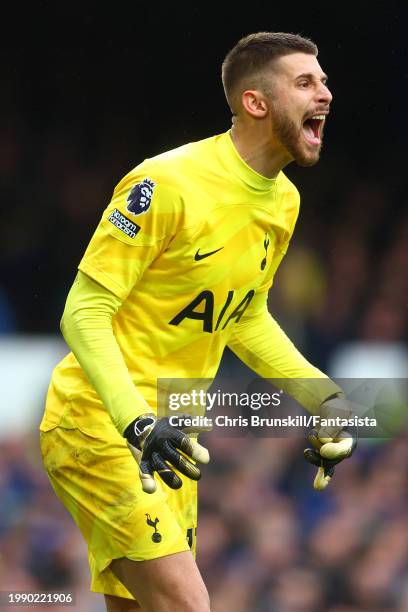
<point>299,101</point>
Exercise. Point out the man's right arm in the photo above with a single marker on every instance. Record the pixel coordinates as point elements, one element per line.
<point>87,328</point>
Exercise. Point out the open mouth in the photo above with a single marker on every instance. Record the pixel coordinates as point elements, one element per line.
<point>312,129</point>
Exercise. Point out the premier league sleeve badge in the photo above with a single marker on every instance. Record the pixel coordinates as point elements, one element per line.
<point>140,197</point>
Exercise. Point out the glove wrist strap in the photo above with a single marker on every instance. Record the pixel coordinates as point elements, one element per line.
<point>138,430</point>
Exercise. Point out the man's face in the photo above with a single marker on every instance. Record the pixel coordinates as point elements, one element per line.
<point>299,102</point>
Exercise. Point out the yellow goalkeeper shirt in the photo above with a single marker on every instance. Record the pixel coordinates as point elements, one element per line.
<point>190,243</point>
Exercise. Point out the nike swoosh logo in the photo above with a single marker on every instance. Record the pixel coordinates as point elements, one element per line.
<point>197,256</point>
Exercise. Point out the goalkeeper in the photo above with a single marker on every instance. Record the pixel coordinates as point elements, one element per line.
<point>178,268</point>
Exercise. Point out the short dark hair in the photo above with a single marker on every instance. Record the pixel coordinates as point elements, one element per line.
<point>244,63</point>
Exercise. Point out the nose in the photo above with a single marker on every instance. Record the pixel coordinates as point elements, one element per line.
<point>324,94</point>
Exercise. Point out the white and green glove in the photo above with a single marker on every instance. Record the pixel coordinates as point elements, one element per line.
<point>159,447</point>
<point>330,444</point>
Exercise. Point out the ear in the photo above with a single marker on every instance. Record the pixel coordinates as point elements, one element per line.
<point>254,103</point>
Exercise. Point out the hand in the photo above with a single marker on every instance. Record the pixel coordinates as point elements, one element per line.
<point>331,444</point>
<point>155,444</point>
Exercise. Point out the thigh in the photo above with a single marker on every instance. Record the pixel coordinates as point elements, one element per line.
<point>169,583</point>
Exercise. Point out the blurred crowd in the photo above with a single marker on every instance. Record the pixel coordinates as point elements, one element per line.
<point>266,541</point>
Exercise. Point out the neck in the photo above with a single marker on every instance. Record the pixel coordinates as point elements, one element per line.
<point>259,148</point>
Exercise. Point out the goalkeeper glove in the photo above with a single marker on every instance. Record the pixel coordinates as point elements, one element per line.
<point>156,446</point>
<point>331,444</point>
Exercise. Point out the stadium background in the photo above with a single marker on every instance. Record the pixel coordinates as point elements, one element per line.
<point>87,93</point>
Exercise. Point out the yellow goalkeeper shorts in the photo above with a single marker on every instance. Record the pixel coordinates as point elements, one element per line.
<point>97,481</point>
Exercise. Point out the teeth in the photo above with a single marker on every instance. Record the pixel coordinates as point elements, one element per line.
<point>319,117</point>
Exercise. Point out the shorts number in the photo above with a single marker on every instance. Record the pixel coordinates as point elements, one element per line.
<point>189,536</point>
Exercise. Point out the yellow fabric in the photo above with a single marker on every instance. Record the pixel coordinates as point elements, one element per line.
<point>187,268</point>
<point>87,328</point>
<point>260,342</point>
<point>97,481</point>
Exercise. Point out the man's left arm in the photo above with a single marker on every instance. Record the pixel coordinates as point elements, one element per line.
<point>262,345</point>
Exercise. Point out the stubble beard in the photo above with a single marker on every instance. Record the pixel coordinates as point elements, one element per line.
<point>290,135</point>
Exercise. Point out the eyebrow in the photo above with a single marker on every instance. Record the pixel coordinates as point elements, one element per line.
<point>309,75</point>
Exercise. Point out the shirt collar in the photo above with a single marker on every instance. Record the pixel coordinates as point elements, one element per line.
<point>232,160</point>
